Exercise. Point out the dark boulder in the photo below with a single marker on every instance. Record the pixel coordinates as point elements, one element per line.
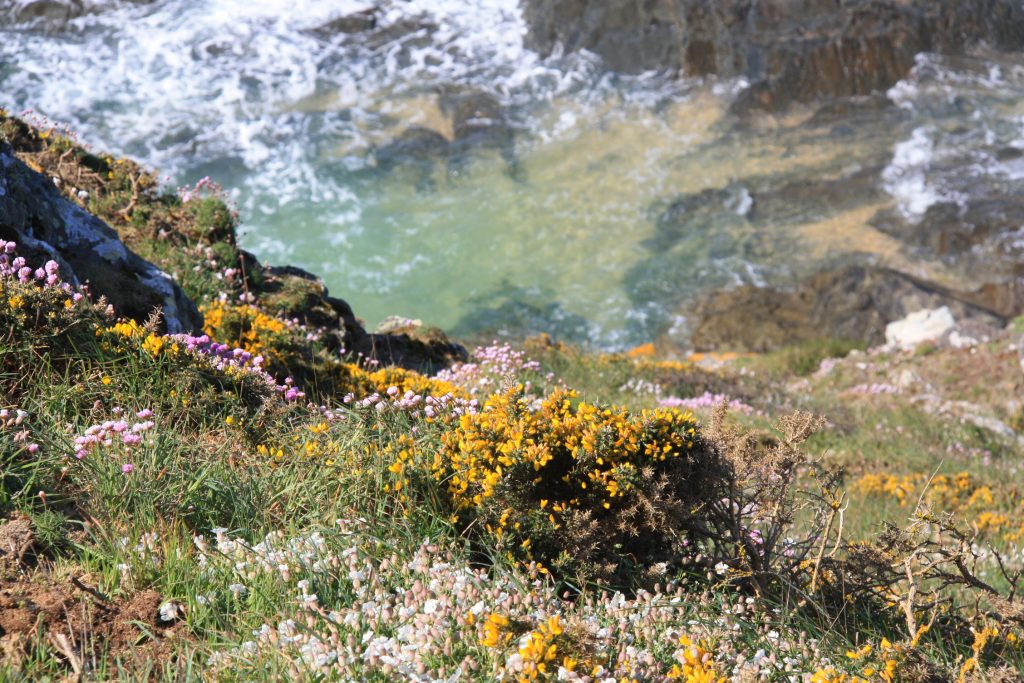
<point>370,28</point>
<point>46,225</point>
<point>347,24</point>
<point>294,293</point>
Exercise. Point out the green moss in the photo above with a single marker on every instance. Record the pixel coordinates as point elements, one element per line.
<point>293,296</point>
<point>212,219</point>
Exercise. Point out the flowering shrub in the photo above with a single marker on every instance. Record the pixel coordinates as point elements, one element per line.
<point>232,363</point>
<point>246,327</point>
<point>576,486</point>
<point>990,511</point>
<point>34,298</point>
<point>430,617</point>
<point>392,380</point>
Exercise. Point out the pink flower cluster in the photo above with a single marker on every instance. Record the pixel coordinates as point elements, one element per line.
<point>707,401</point>
<point>414,404</point>
<point>873,389</point>
<point>289,390</point>
<point>111,432</point>
<point>203,187</point>
<point>15,266</point>
<point>223,355</point>
<point>224,358</point>
<point>15,420</point>
<point>12,266</point>
<point>493,365</point>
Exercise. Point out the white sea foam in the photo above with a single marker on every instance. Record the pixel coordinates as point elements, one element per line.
<point>906,176</point>
<point>292,119</point>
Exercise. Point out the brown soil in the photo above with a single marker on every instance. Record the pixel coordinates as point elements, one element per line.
<point>77,622</point>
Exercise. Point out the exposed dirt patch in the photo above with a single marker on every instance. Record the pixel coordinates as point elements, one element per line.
<point>17,543</point>
<point>79,623</point>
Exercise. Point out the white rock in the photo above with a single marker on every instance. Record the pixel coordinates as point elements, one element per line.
<point>961,341</point>
<point>918,327</point>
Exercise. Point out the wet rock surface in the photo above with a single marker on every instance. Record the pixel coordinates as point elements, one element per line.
<point>789,51</point>
<point>52,16</point>
<point>46,225</point>
<point>979,236</point>
<point>370,28</point>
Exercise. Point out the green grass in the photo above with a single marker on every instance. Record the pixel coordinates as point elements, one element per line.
<point>199,471</point>
<point>240,506</point>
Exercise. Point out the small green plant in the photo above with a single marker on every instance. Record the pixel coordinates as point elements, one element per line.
<point>804,359</point>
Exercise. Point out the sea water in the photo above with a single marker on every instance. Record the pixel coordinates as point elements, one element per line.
<point>592,206</point>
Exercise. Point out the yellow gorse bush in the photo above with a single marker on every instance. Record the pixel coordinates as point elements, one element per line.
<point>404,380</point>
<point>960,493</point>
<point>536,476</point>
<point>244,326</point>
<point>582,452</point>
<point>537,650</point>
<point>150,342</point>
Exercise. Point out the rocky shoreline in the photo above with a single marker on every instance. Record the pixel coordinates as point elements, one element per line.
<point>788,51</point>
<point>108,225</point>
<point>815,74</point>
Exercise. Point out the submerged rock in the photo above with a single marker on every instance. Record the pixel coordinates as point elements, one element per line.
<point>46,225</point>
<point>53,16</point>
<point>469,121</point>
<point>788,50</point>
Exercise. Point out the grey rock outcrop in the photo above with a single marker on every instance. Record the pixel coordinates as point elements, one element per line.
<point>46,225</point>
<point>854,303</point>
<point>790,50</point>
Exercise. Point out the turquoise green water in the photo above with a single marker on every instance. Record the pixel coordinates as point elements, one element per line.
<point>591,206</point>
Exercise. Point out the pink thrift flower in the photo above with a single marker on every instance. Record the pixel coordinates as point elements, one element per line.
<point>33,448</point>
<point>144,413</point>
<point>127,467</point>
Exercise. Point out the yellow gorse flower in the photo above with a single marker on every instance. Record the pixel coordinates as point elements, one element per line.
<point>696,664</point>
<point>494,634</point>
